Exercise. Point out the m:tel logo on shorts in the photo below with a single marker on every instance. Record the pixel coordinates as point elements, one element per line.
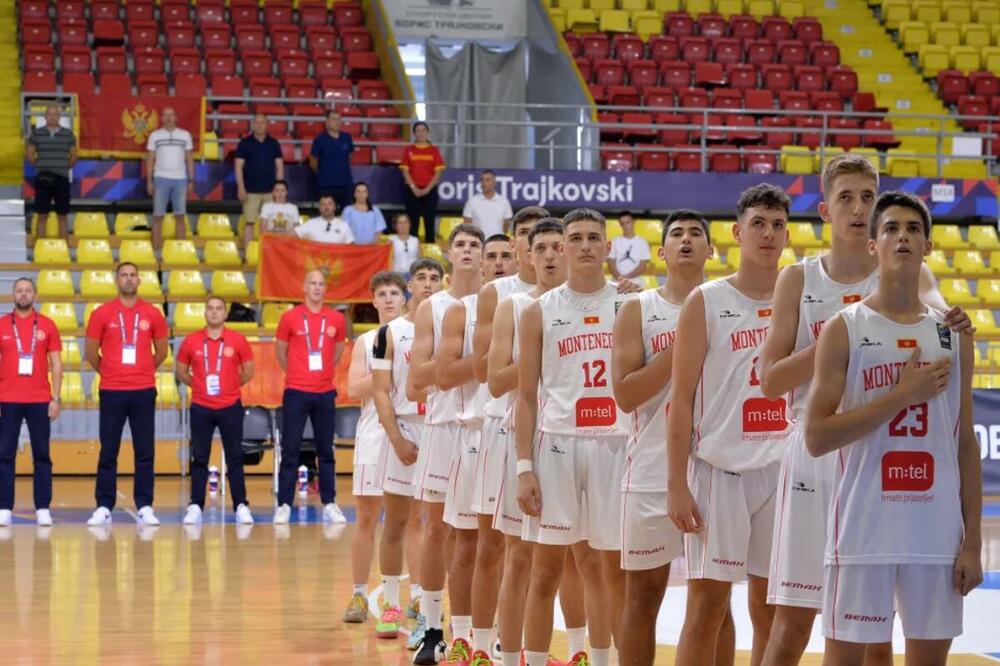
<point>591,412</point>
<point>911,471</point>
<point>763,415</point>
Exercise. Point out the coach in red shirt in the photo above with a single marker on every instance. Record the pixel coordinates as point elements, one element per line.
<point>308,345</point>
<point>29,346</point>
<point>121,337</point>
<point>215,363</point>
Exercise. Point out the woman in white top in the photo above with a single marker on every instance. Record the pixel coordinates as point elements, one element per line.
<point>405,248</point>
<point>279,216</point>
<point>366,220</point>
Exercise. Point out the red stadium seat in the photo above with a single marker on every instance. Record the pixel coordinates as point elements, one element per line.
<point>742,76</point>
<point>628,47</point>
<point>371,90</point>
<point>792,52</point>
<point>586,69</point>
<point>623,95</point>
<point>695,49</point>
<point>78,82</point>
<point>43,59</point>
<point>760,52</point>
<point>293,64</point>
<point>809,79</point>
<point>812,137</point>
<point>844,81</point>
<point>744,27</point>
<point>726,161</point>
<point>362,155</point>
<point>781,137</point>
<point>675,74</point>
<point>573,43</point>
<point>216,36</point>
<point>846,140</point>
<point>638,133</point>
<point>689,160</point>
<point>385,130</point>
<point>776,28</point>
<point>654,161</point>
<point>115,83</point>
<point>694,98</point>
<point>884,139</point>
<point>111,60</point>
<point>824,54</point>
<point>278,12</point>
<point>672,136</point>
<point>143,35</point>
<point>257,63</point>
<point>71,33</point>
<point>185,61</point>
<point>301,88</point>
<point>972,105</point>
<point>985,84</point>
<point>388,155</point>
<point>727,98</point>
<point>759,161</point>
<point>36,31</point>
<point>352,121</point>
<point>313,14</point>
<point>307,129</point>
<point>209,13</point>
<point>793,100</point>
<point>712,26</point>
<point>276,127</point>
<point>174,12</point>
<point>244,11</point>
<point>70,9</point>
<point>807,29</point>
<point>709,74</point>
<point>598,92</point>
<point>617,157</point>
<point>348,14</point>
<point>109,33</point>
<point>728,50</point>
<point>190,85</point>
<point>233,126</point>
<point>148,61</point>
<point>139,11</point>
<point>35,9</point>
<point>227,86</point>
<point>748,132</point>
<point>39,82</point>
<point>658,97</point>
<point>250,37</point>
<point>713,123</point>
<point>595,46</point>
<point>609,122</point>
<point>678,24</point>
<point>220,62</point>
<point>758,100</point>
<point>662,48</point>
<point>320,38</point>
<point>824,100</point>
<point>337,87</point>
<point>153,84</point>
<point>776,77</point>
<point>104,10</point>
<point>608,72</point>
<point>643,73</point>
<point>285,37</point>
<point>328,65</point>
<point>265,86</point>
<point>362,65</point>
<point>354,38</point>
<point>179,36</point>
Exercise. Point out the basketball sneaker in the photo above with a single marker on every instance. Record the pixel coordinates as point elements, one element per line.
<point>193,515</point>
<point>388,624</point>
<point>413,608</point>
<point>147,517</point>
<point>43,518</point>
<point>333,514</point>
<point>101,516</point>
<point>579,659</point>
<point>417,634</point>
<point>6,517</point>
<point>480,658</point>
<point>459,652</point>
<point>282,514</point>
<point>431,649</point>
<point>243,515</point>
<point>357,609</point>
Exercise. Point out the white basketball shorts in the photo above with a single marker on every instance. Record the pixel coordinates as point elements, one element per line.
<point>458,502</point>
<point>365,481</point>
<point>393,476</point>
<point>649,538</point>
<point>433,468</point>
<point>490,464</point>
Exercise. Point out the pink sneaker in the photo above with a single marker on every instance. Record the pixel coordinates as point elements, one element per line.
<point>388,624</point>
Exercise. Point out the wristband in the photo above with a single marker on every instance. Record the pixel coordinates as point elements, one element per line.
<point>381,364</point>
<point>524,466</point>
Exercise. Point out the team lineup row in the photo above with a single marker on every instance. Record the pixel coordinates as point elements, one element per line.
<point>571,436</point>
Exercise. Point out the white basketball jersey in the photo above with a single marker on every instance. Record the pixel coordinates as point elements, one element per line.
<point>575,394</point>
<point>735,427</point>
<point>822,298</point>
<point>473,394</point>
<point>402,329</point>
<point>442,406</point>
<point>520,301</point>
<point>505,286</point>
<point>646,455</point>
<point>368,435</point>
<point>896,493</point>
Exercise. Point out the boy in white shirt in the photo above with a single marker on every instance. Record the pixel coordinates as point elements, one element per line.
<point>629,253</point>
<point>279,216</point>
<point>327,228</point>
<point>405,248</point>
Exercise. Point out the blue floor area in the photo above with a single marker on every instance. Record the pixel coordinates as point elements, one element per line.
<point>311,514</point>
<point>991,509</point>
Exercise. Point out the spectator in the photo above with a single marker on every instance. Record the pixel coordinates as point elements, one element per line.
<point>489,210</point>
<point>258,166</point>
<point>169,173</point>
<point>366,220</point>
<point>330,158</point>
<point>422,166</point>
<point>327,228</point>
<point>52,150</point>
<point>629,253</point>
<point>405,248</point>
<point>278,216</point>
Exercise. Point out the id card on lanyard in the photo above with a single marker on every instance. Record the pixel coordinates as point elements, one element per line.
<point>25,360</point>
<point>315,355</point>
<point>128,350</point>
<point>213,386</point>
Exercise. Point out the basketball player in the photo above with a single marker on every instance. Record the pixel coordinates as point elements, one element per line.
<point>434,457</point>
<point>402,419</point>
<point>564,394</point>
<point>388,290</point>
<point>805,296</point>
<point>455,368</point>
<point>724,438</point>
<point>640,374</point>
<point>893,400</point>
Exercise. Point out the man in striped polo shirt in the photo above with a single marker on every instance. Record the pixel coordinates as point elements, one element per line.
<point>52,150</point>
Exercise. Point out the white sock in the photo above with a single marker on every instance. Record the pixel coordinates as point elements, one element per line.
<point>390,590</point>
<point>430,606</point>
<point>361,589</point>
<point>461,627</point>
<point>577,639</point>
<point>510,659</point>
<point>600,656</point>
<point>481,640</point>
<point>535,658</point>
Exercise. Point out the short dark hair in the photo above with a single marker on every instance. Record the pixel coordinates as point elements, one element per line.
<point>333,112</point>
<point>684,214</point>
<point>216,297</point>
<point>764,195</point>
<point>468,230</point>
<point>280,181</point>
<point>903,199</point>
<point>118,269</point>
<point>526,215</point>
<point>488,171</point>
<point>581,214</point>
<point>625,213</point>
<point>24,279</point>
<point>546,225</point>
<point>427,264</point>
<point>399,216</point>
<point>495,238</point>
<point>383,278</point>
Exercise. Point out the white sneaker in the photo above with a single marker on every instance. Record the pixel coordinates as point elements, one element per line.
<point>243,515</point>
<point>333,514</point>
<point>6,517</point>
<point>101,516</point>
<point>147,517</point>
<point>43,518</point>
<point>282,514</point>
<point>193,515</point>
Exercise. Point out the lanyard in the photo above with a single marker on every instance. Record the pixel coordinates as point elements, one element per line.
<point>135,329</point>
<point>17,335</point>
<point>218,360</point>
<point>322,330</point>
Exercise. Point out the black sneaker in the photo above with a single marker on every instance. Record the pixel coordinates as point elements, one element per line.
<point>431,650</point>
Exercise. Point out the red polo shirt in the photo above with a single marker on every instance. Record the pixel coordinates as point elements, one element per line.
<point>292,329</point>
<point>422,161</point>
<point>104,326</point>
<point>235,352</point>
<point>33,388</point>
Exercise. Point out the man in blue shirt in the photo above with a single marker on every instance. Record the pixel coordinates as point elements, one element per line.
<point>331,160</point>
<point>258,165</point>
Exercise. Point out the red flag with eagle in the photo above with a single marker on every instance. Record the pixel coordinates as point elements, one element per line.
<point>118,125</point>
<point>285,260</point>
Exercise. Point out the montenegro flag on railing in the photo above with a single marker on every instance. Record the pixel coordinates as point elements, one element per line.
<point>285,260</point>
<point>119,125</point>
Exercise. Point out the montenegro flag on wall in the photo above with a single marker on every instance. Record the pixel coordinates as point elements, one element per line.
<point>285,260</point>
<point>118,125</point>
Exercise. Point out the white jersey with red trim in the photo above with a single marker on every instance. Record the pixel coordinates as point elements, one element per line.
<point>575,395</point>
<point>646,453</point>
<point>472,402</point>
<point>897,489</point>
<point>822,298</point>
<point>735,427</point>
<point>519,302</point>
<point>368,434</point>
<point>442,406</point>
<point>402,330</point>
<point>505,286</point>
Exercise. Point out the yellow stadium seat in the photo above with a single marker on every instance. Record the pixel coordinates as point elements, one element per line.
<point>964,169</point>
<point>359,328</point>
<point>63,314</point>
<point>168,361</point>
<point>600,5</point>
<point>167,394</point>
<point>829,152</point>
<point>94,251</point>
<point>581,20</point>
<point>650,230</point>
<point>996,34</point>
<point>814,252</point>
<point>230,284</point>
<point>90,225</point>
<point>214,225</point>
<point>95,393</point>
<point>179,253</point>
<point>975,34</point>
<point>646,24</point>
<point>928,12</point>
<point>957,12</point>
<point>70,353</point>
<point>983,321</point>
<point>614,20</point>
<point>613,228</point>
<point>126,223</point>
<point>938,263</point>
<point>902,164</point>
<point>894,12</point>
<point>51,251</point>
<point>149,285</point>
<point>189,317</point>
<point>787,258</point>
<point>957,292</point>
<point>983,237</point>
<point>97,283</point>
<point>986,12</point>
<point>796,160</point>
<point>139,251</point>
<point>664,6</point>
<point>558,18</point>
<point>253,253</point>
<point>989,292</point>
<point>632,5</point>
<point>802,234</point>
<point>210,147</point>
<point>969,263</point>
<point>185,283</point>
<point>715,266</point>
<point>432,251</point>
<point>871,154</point>
<point>933,59</point>
<point>54,283</point>
<point>272,312</point>
<point>947,237</point>
<point>222,253</point>
<point>733,257</point>
<point>991,57</point>
<point>446,225</point>
<point>729,8</point>
<point>50,228</point>
<point>572,4</point>
<point>71,391</point>
<point>657,264</point>
<point>965,59</point>
<point>826,234</point>
<point>721,232</point>
<point>791,9</point>
<point>912,34</point>
<point>945,34</point>
<point>696,7</point>
<point>170,226</point>
<point>980,359</point>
